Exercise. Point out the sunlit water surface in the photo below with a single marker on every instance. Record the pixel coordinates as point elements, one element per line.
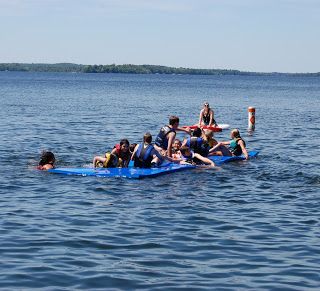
<point>247,225</point>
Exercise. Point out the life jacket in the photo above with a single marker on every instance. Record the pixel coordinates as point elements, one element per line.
<point>161,139</point>
<point>195,143</point>
<point>110,162</point>
<point>118,149</point>
<point>121,155</point>
<point>143,156</point>
<point>188,159</point>
<point>204,150</point>
<point>235,148</point>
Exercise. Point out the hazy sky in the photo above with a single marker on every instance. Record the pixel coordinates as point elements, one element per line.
<point>248,35</point>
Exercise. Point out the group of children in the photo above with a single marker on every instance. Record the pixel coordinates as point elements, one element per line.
<point>192,150</point>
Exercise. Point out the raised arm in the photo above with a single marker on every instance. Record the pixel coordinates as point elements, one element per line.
<point>186,130</point>
<point>218,145</point>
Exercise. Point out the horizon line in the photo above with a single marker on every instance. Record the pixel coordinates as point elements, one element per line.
<point>162,66</point>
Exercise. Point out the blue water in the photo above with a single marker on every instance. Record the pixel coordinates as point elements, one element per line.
<point>247,225</point>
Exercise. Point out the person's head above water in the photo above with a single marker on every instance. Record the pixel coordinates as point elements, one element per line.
<point>47,158</point>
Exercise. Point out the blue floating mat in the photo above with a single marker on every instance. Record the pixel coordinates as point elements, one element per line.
<point>137,173</point>
<point>219,160</point>
<point>130,172</point>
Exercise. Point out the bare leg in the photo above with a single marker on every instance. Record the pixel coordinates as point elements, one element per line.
<point>98,159</point>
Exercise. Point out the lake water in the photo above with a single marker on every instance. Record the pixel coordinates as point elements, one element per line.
<point>247,225</point>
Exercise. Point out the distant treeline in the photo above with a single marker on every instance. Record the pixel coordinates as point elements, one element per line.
<point>129,69</point>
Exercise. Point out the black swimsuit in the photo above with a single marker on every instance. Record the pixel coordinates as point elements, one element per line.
<point>206,118</point>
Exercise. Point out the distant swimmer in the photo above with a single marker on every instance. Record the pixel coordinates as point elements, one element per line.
<point>237,146</point>
<point>206,116</point>
<point>47,161</point>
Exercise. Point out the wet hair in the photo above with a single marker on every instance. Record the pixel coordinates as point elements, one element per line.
<point>184,149</point>
<point>197,132</point>
<point>173,119</point>
<point>235,133</point>
<point>47,158</point>
<point>147,137</point>
<point>124,141</point>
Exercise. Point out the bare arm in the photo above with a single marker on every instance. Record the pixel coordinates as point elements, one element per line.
<point>98,159</point>
<point>211,117</point>
<point>161,157</point>
<point>218,145</point>
<point>184,142</point>
<point>186,130</point>
<point>47,167</point>
<point>134,152</point>
<point>200,117</point>
<point>205,160</point>
<point>243,148</point>
<point>171,137</point>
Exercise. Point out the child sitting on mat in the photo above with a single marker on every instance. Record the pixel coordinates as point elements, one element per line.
<point>237,146</point>
<point>119,156</point>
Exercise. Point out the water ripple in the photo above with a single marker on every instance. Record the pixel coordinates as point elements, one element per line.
<point>248,225</point>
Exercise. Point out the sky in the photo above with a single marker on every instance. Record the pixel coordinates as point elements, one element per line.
<point>246,35</point>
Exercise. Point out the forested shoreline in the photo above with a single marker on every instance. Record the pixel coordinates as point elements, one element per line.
<point>129,69</point>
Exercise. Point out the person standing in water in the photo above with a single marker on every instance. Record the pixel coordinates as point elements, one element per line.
<point>206,116</point>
